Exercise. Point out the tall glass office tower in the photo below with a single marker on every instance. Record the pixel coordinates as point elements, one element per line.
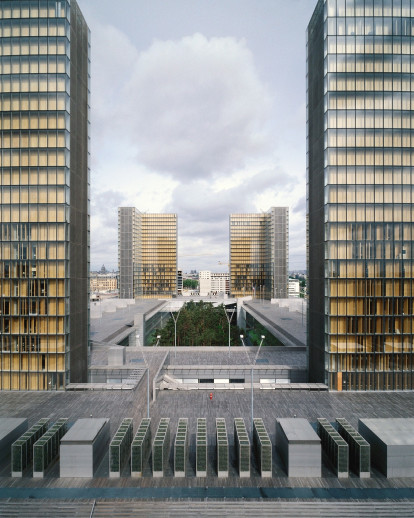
<point>44,224</point>
<point>147,254</point>
<point>360,104</point>
<point>259,251</point>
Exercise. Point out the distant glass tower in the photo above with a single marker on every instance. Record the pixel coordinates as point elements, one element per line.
<point>147,254</point>
<point>44,189</point>
<point>259,251</point>
<point>360,215</point>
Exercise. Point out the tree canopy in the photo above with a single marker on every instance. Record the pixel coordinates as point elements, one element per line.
<point>191,284</point>
<point>200,324</point>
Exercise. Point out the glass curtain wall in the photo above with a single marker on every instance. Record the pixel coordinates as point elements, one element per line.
<point>35,195</point>
<point>158,265</point>
<point>128,250</point>
<point>259,245</point>
<point>367,149</point>
<point>250,267</point>
<point>147,254</point>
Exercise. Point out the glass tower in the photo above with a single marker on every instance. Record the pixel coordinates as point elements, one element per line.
<point>44,194</point>
<point>147,254</point>
<point>360,103</point>
<point>259,254</point>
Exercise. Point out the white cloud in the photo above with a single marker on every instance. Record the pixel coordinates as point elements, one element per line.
<point>203,215</point>
<point>184,126</point>
<point>104,228</point>
<point>196,107</point>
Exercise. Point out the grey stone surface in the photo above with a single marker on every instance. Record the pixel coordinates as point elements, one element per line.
<point>268,404</point>
<point>11,428</point>
<point>299,447</point>
<point>82,447</point>
<point>294,357</point>
<point>392,444</point>
<point>285,318</point>
<point>110,318</point>
<point>116,356</point>
<point>205,508</point>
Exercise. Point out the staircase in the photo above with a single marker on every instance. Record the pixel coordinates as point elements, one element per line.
<point>203,509</point>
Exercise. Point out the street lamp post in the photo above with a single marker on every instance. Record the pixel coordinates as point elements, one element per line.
<point>229,322</point>
<point>251,380</point>
<point>175,331</point>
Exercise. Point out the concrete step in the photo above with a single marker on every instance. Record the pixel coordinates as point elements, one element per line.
<point>45,508</point>
<point>204,509</point>
<point>245,509</point>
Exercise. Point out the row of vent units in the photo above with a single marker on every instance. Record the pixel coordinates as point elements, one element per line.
<point>343,446</point>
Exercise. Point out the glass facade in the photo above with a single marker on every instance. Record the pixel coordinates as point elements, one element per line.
<point>129,238</point>
<point>44,238</point>
<point>259,254</point>
<point>360,178</point>
<point>147,254</point>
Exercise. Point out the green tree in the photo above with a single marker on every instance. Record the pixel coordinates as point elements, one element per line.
<point>199,324</point>
<point>191,284</point>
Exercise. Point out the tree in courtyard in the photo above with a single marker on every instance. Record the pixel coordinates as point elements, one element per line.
<point>199,324</point>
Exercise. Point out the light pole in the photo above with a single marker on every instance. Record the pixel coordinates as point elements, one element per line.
<point>229,322</point>
<point>244,345</point>
<point>251,381</point>
<point>158,340</point>
<point>175,331</point>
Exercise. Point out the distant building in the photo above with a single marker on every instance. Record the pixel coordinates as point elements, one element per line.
<point>294,288</point>
<point>147,254</point>
<point>204,282</point>
<point>103,282</point>
<point>211,283</point>
<point>44,193</point>
<point>259,246</point>
<point>179,282</point>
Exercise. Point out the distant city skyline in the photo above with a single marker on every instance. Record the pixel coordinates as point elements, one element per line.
<point>197,108</point>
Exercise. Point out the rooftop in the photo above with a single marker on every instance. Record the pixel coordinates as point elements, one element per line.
<point>84,430</point>
<point>284,318</point>
<point>110,317</point>
<point>268,404</point>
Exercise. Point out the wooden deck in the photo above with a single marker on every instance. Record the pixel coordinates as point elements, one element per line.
<point>268,404</point>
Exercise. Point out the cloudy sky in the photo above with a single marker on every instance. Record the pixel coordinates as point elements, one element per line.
<point>197,107</point>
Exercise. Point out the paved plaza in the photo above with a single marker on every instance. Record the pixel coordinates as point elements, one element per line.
<point>268,404</point>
